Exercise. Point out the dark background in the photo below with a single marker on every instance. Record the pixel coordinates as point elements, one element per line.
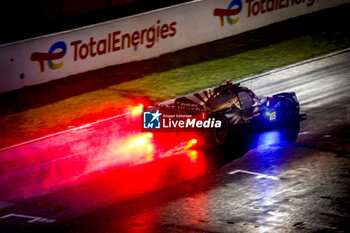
<point>25,19</point>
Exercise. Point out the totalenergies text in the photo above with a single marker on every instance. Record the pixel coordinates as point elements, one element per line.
<point>256,7</point>
<point>117,40</point>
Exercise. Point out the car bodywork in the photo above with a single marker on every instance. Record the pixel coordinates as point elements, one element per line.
<point>237,107</point>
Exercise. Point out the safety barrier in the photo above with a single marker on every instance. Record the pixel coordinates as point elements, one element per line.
<point>140,37</point>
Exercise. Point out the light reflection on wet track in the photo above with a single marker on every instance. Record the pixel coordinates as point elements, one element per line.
<point>99,182</point>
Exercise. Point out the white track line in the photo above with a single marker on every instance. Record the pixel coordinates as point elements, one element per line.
<point>258,175</point>
<point>63,132</point>
<point>31,218</point>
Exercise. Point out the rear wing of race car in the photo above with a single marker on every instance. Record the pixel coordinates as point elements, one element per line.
<point>199,99</point>
<point>194,100</point>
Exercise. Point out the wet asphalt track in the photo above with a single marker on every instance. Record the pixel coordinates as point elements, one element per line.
<point>85,181</point>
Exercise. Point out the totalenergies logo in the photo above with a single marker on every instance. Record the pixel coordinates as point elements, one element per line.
<point>107,43</point>
<point>234,8</point>
<point>56,51</point>
<point>256,8</point>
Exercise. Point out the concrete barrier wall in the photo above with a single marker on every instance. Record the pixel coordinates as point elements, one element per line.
<point>140,37</point>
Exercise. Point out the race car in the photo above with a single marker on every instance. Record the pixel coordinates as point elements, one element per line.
<point>237,107</point>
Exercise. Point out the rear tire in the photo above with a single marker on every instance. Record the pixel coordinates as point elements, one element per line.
<point>220,135</point>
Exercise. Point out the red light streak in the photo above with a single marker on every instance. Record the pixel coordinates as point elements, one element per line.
<point>116,146</point>
<point>135,111</point>
<point>192,154</point>
<point>191,143</point>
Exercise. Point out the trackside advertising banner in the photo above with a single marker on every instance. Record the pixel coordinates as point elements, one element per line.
<point>140,37</point>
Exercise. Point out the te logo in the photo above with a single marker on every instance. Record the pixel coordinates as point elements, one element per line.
<point>151,120</point>
<point>234,8</point>
<point>51,55</point>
